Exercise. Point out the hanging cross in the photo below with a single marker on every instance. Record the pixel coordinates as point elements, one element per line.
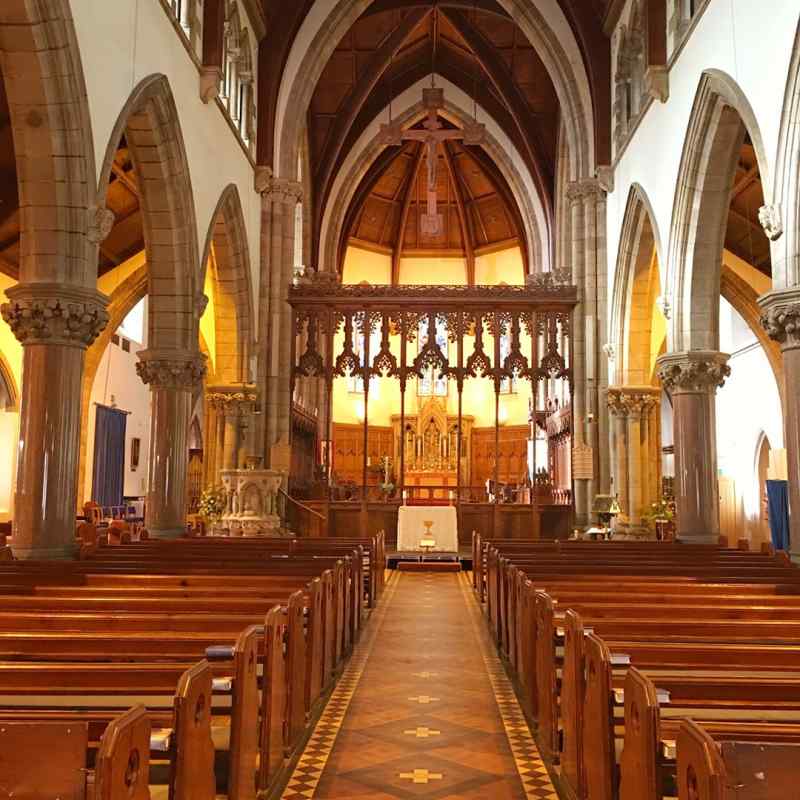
<point>432,222</point>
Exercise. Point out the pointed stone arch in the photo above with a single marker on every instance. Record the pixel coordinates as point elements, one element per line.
<point>720,119</point>
<point>41,68</point>
<point>149,121</point>
<point>543,23</point>
<point>636,285</point>
<point>9,393</point>
<point>227,255</point>
<point>786,251</point>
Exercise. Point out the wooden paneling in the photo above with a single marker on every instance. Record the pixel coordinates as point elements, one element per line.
<point>513,454</point>
<point>348,451</point>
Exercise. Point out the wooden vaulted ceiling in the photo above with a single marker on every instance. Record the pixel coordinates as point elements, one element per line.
<point>744,236</point>
<point>478,210</point>
<point>126,237</point>
<point>482,52</point>
<point>474,44</point>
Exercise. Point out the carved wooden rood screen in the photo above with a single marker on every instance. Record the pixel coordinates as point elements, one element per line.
<point>495,333</point>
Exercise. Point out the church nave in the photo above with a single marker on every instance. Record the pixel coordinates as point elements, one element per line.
<point>424,708</point>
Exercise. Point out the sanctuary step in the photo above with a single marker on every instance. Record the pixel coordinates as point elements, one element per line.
<point>429,566</point>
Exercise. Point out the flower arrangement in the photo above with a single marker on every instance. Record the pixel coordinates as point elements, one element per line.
<point>662,511</point>
<point>212,502</point>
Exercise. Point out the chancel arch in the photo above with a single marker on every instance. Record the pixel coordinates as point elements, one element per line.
<point>723,181</point>
<point>368,151</point>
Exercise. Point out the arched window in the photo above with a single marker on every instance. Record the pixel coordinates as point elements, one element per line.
<point>237,92</point>
<point>629,83</point>
<point>682,13</point>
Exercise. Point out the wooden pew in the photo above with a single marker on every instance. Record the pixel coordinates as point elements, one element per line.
<point>761,767</point>
<point>121,766</point>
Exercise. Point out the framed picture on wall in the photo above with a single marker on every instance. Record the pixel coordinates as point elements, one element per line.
<point>136,444</point>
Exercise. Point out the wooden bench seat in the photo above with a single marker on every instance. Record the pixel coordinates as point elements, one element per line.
<point>746,761</point>
<point>117,769</point>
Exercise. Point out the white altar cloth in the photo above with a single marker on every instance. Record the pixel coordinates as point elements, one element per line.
<point>411,528</point>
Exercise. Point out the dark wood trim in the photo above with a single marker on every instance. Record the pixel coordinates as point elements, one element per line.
<point>213,32</point>
<point>656,33</point>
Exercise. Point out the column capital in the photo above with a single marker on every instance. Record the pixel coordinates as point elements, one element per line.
<point>585,189</point>
<point>693,371</point>
<point>278,189</point>
<point>55,313</point>
<point>233,400</point>
<point>171,369</point>
<point>631,401</point>
<point>780,316</point>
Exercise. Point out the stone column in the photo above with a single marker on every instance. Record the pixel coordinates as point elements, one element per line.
<point>172,376</point>
<point>781,320</point>
<point>219,451</point>
<point>692,378</point>
<point>233,404</point>
<point>587,223</point>
<point>279,198</point>
<point>55,324</point>
<point>619,419</point>
<point>631,407</point>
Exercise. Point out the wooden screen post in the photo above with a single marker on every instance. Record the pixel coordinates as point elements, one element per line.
<point>366,330</point>
<point>497,384</point>
<point>330,377</point>
<point>459,317</point>
<point>403,378</point>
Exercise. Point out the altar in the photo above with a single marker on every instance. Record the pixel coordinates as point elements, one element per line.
<point>411,528</point>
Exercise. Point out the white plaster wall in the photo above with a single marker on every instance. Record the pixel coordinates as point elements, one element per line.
<point>750,42</point>
<point>116,377</point>
<point>747,406</point>
<point>124,41</point>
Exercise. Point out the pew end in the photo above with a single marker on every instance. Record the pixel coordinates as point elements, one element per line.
<point>193,746</point>
<point>546,680</point>
<point>273,700</point>
<point>572,699</point>
<point>243,768</point>
<point>639,770</point>
<point>701,770</point>
<point>599,762</point>
<point>123,761</point>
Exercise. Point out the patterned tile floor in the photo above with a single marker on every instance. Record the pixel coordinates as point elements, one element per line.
<point>423,710</point>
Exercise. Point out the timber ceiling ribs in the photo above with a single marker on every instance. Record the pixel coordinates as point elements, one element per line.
<point>475,45</point>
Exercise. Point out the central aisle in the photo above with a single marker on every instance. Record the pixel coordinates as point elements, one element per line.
<point>424,708</point>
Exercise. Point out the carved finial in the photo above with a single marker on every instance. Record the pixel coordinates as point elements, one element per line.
<point>769,216</point>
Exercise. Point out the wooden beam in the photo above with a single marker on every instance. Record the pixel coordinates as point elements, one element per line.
<point>353,103</point>
<point>485,6</point>
<point>745,181</point>
<point>374,173</point>
<point>463,219</point>
<point>404,209</point>
<point>125,179</point>
<point>500,76</point>
<point>213,33</point>
<point>756,226</point>
<point>502,188</point>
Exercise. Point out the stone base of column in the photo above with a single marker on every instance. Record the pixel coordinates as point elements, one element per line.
<point>167,533</point>
<point>64,553</point>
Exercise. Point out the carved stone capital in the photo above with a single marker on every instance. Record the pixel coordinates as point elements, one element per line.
<point>780,316</point>
<point>693,371</point>
<point>771,218</point>
<point>631,401</point>
<point>586,189</point>
<point>233,400</point>
<point>277,189</point>
<point>101,221</point>
<point>171,369</point>
<point>54,313</point>
<point>610,349</point>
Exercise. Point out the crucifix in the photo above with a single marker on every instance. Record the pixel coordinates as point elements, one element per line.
<point>432,222</point>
